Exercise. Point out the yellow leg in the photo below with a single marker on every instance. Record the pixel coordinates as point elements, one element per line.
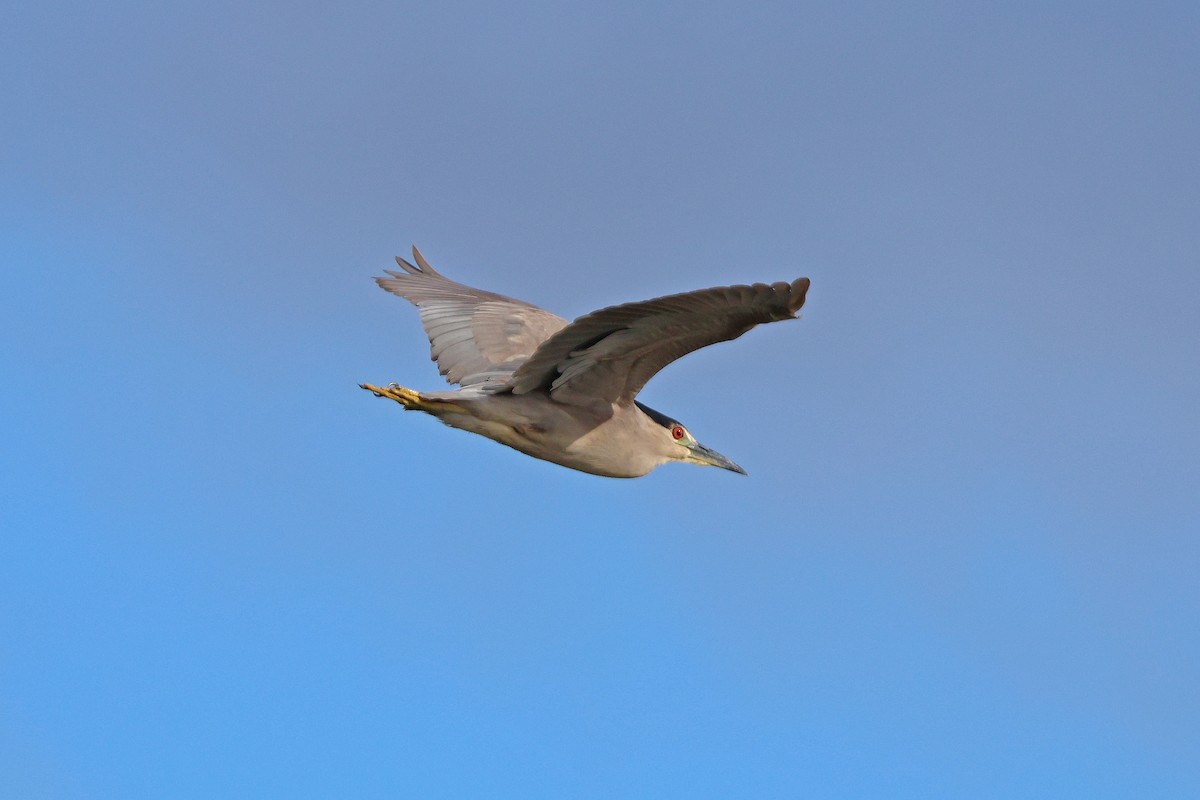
<point>406,397</point>
<point>412,401</point>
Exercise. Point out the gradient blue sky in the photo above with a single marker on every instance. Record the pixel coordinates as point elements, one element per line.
<point>964,563</point>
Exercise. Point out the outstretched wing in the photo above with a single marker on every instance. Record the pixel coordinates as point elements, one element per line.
<point>474,336</point>
<point>607,356</point>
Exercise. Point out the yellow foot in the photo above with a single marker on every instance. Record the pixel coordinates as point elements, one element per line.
<point>406,397</point>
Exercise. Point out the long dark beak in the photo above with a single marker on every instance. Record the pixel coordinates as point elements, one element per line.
<point>703,455</point>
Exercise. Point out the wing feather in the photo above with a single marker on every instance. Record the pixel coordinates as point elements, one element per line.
<point>609,355</point>
<point>474,336</point>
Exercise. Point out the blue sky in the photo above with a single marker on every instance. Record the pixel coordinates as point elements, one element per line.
<point>964,561</point>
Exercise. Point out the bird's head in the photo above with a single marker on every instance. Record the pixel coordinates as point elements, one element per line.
<point>680,445</point>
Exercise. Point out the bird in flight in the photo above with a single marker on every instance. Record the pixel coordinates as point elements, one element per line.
<point>566,392</point>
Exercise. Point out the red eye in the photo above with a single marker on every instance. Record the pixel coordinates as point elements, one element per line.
<point>677,432</point>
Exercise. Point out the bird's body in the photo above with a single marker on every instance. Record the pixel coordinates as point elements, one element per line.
<point>565,392</point>
<point>579,437</point>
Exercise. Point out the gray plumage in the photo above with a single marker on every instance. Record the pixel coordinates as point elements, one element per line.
<point>474,336</point>
<point>565,392</point>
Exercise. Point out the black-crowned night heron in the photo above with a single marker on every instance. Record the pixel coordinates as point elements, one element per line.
<point>565,392</point>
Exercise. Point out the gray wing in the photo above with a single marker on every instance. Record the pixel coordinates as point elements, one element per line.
<point>474,336</point>
<point>607,356</point>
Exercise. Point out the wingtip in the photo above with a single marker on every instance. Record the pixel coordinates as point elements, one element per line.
<point>799,293</point>
<point>422,267</point>
<point>422,263</point>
